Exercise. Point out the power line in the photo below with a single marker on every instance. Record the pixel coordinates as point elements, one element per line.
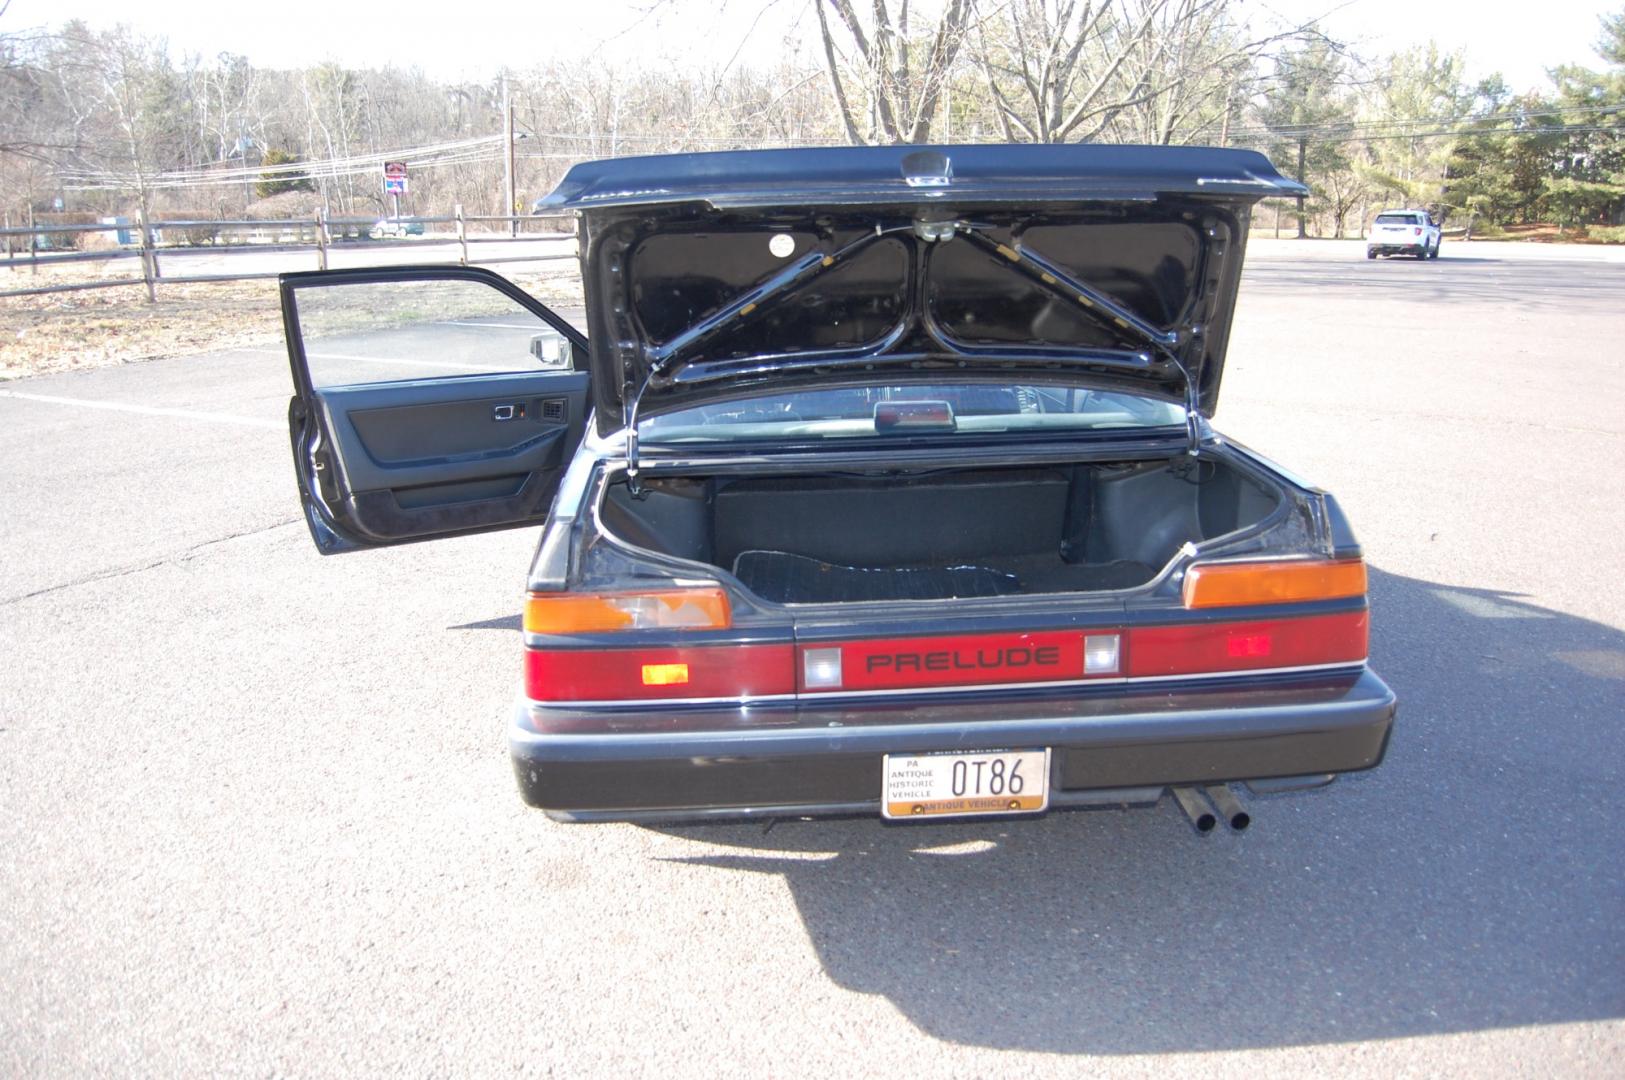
<point>1396,122</point>
<point>489,147</point>
<point>431,156</point>
<point>1256,135</point>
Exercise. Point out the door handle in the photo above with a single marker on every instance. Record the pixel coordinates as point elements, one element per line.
<point>516,411</point>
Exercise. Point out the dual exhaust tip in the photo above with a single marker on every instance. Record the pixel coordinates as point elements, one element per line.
<point>1203,816</point>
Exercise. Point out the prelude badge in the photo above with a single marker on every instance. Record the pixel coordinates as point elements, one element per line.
<point>962,661</point>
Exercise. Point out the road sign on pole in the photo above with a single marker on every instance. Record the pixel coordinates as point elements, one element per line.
<point>394,178</point>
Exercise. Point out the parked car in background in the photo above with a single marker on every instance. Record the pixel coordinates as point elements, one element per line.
<point>1404,232</point>
<point>397,227</point>
<point>882,485</point>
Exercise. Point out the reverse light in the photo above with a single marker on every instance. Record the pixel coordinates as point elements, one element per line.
<point>1101,653</point>
<point>1236,584</point>
<point>666,609</point>
<point>821,669</point>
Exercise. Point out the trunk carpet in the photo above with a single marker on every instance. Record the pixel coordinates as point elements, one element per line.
<point>784,578</point>
<point>1048,574</point>
<point>796,579</point>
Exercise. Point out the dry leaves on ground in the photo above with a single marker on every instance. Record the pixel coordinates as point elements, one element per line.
<point>100,327</point>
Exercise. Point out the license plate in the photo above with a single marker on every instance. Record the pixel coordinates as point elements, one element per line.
<point>957,784</point>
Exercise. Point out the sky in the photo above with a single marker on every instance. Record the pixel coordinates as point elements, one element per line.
<point>476,40</point>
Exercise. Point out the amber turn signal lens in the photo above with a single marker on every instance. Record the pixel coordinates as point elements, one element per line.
<point>665,674</point>
<point>1241,583</point>
<point>668,609</point>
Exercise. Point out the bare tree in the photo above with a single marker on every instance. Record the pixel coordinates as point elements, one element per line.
<point>876,63</point>
<point>1053,68</point>
<point>189,134</point>
<point>24,128</point>
<point>1156,71</point>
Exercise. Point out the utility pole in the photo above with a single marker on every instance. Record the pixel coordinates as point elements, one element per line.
<point>507,157</point>
<point>1303,142</point>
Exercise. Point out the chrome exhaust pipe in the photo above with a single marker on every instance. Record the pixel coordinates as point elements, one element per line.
<point>1196,810</point>
<point>1229,807</point>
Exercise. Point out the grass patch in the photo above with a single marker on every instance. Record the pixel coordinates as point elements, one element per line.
<point>1545,233</point>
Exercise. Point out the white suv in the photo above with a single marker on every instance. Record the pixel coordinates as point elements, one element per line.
<point>1403,232</point>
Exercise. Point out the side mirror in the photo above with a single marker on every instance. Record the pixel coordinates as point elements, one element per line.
<point>550,350</point>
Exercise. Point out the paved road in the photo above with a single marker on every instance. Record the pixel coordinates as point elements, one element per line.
<point>395,252</point>
<point>256,816</point>
<point>228,261</point>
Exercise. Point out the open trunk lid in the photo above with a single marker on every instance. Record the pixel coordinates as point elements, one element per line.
<point>712,276</point>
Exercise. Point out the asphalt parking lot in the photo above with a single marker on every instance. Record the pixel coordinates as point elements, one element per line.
<point>256,814</point>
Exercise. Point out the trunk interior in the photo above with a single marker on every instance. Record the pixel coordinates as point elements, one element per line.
<point>927,535</point>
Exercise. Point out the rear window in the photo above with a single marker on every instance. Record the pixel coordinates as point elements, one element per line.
<point>915,410</point>
<point>1398,219</point>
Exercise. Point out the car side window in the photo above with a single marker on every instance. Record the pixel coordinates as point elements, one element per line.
<point>371,332</point>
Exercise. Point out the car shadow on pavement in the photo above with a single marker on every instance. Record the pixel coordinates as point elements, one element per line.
<point>502,622</point>
<point>1473,881</point>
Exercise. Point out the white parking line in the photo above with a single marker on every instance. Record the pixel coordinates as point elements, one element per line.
<point>146,410</point>
<point>536,327</point>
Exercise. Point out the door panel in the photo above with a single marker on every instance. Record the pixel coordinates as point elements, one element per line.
<point>430,401</point>
<point>406,434</point>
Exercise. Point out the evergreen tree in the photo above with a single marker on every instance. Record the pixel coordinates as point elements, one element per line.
<point>1309,108</point>
<point>275,183</point>
<point>1586,183</point>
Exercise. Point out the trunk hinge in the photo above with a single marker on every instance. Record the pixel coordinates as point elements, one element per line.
<point>633,397</point>
<point>1193,408</point>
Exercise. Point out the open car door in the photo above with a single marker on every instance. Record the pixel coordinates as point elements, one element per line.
<point>429,401</point>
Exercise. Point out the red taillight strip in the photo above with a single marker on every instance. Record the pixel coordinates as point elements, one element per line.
<point>732,673</point>
<point>715,672</point>
<point>1223,647</point>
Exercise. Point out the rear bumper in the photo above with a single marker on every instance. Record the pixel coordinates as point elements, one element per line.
<point>1398,249</point>
<point>1116,747</point>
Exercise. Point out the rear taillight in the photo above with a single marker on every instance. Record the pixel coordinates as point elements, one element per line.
<point>706,669</point>
<point>1214,648</point>
<point>636,673</point>
<point>1241,584</point>
<point>1418,232</point>
<point>727,672</point>
<point>663,609</point>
